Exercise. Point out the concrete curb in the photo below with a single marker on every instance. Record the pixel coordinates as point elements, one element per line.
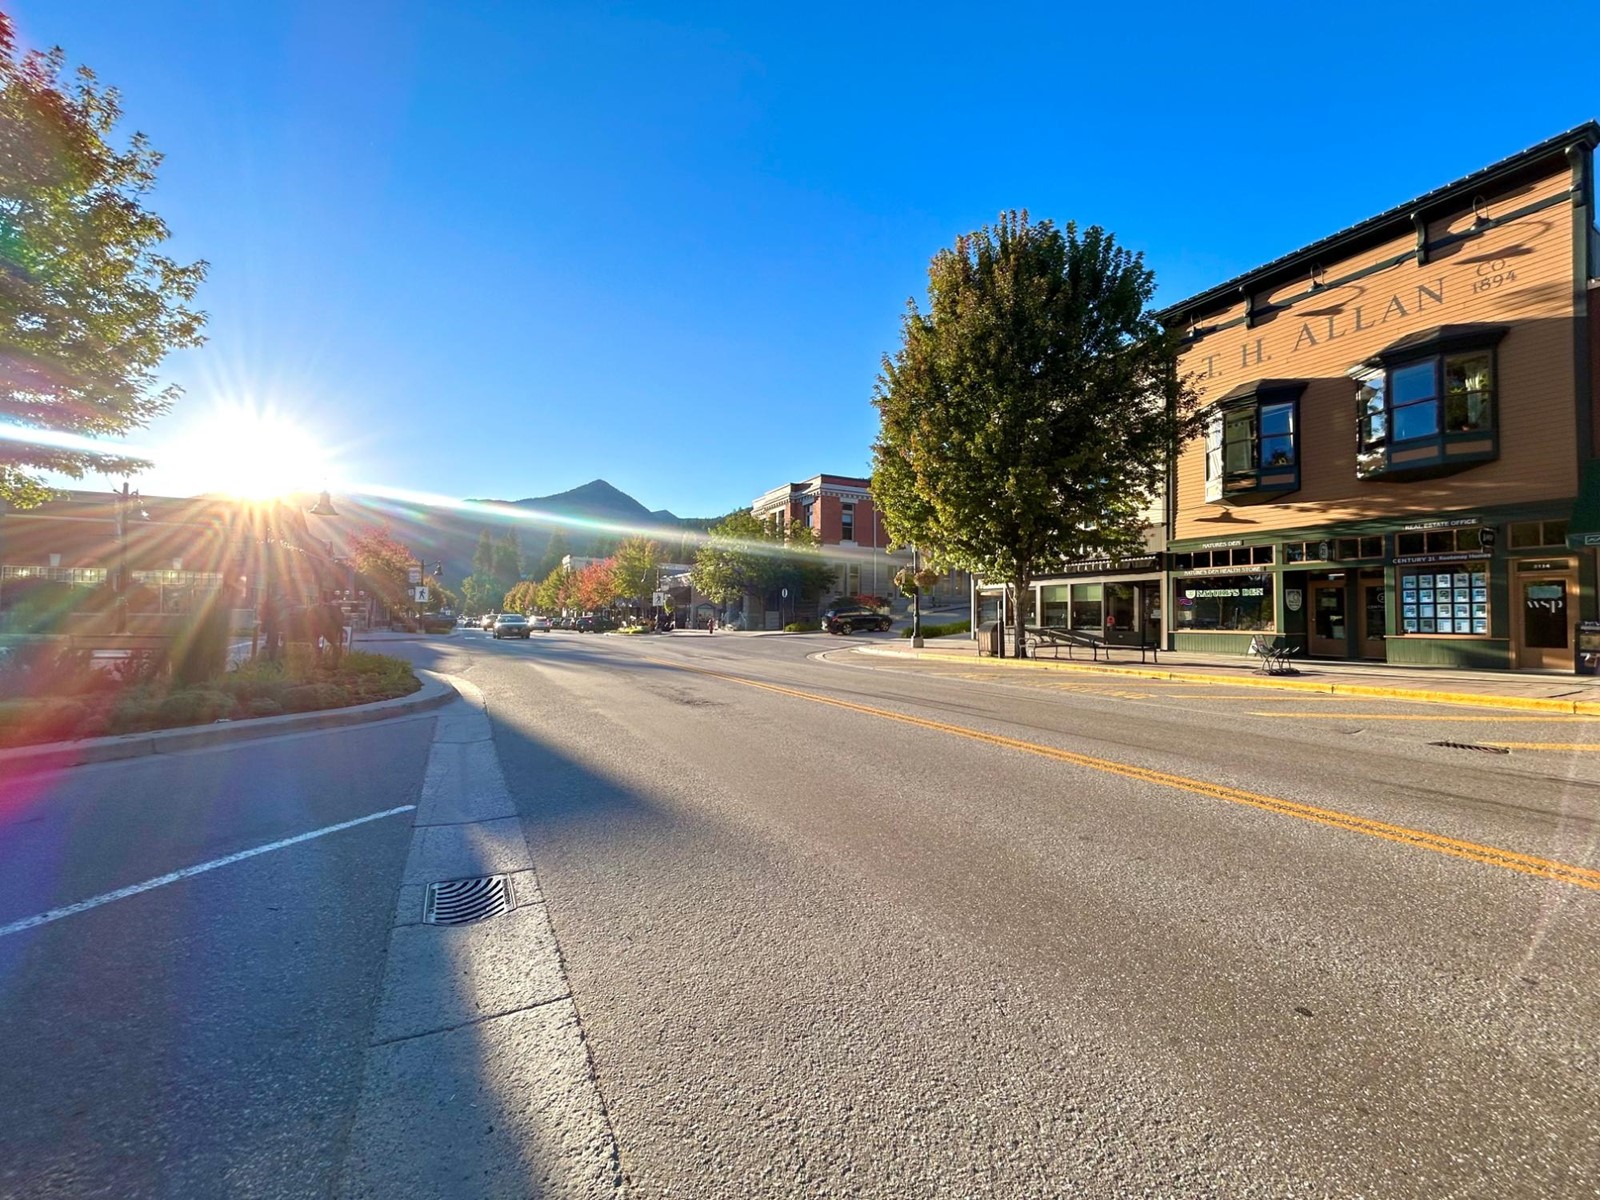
<point>1466,699</point>
<point>52,756</point>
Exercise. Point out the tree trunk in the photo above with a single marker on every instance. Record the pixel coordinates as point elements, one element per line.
<point>1019,592</point>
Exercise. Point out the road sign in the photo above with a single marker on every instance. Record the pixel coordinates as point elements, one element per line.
<point>658,598</point>
<point>420,595</point>
<point>785,593</point>
<point>413,575</point>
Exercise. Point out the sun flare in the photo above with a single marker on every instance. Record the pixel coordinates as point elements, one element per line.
<point>251,452</point>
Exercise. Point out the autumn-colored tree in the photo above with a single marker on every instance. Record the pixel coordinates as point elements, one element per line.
<point>386,566</point>
<point>594,586</point>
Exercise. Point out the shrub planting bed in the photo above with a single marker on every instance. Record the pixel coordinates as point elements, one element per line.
<point>946,630</point>
<point>68,698</point>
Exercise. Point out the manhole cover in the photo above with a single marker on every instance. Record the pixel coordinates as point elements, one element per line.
<point>1471,746</point>
<point>459,901</point>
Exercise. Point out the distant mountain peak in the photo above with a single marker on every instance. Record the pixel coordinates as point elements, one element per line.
<point>597,497</point>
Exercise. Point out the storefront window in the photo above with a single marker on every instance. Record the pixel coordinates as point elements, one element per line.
<point>1231,602</point>
<point>1053,602</point>
<point>1448,598</point>
<point>1085,606</point>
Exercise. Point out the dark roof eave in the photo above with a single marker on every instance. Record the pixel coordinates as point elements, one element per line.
<point>1378,228</point>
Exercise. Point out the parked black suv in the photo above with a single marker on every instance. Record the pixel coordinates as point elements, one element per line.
<point>847,618</point>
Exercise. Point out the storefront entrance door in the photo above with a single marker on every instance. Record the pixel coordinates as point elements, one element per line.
<point>1150,612</point>
<point>1328,629</point>
<point>1546,615</point>
<point>1374,615</point>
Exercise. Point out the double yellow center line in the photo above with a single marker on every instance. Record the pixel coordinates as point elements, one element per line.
<point>1493,856</point>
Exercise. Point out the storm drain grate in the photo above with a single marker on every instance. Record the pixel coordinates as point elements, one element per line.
<point>460,901</point>
<point>1472,746</point>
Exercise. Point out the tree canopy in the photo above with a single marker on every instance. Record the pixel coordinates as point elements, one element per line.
<point>743,554</point>
<point>1030,413</point>
<point>386,565</point>
<point>89,306</point>
<point>636,568</point>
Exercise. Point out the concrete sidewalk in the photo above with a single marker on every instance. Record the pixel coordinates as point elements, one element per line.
<point>1532,690</point>
<point>478,1080</point>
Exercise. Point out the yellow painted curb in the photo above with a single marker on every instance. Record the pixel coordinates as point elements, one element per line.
<point>1467,699</point>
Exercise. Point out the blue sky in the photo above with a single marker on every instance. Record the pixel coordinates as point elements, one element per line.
<point>500,249</point>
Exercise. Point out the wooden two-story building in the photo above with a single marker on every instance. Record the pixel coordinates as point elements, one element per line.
<point>1400,424</point>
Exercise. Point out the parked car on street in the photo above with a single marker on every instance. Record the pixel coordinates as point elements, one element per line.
<point>595,623</point>
<point>513,625</point>
<point>847,618</point>
<point>540,624</point>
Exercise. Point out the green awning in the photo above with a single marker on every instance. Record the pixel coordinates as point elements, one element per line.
<point>1584,528</point>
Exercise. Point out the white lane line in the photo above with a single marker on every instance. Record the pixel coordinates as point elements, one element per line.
<point>55,914</point>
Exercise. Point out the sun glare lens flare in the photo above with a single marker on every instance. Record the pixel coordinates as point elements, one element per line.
<point>250,452</point>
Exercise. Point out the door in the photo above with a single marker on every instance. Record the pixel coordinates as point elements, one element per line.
<point>1150,613</point>
<point>1546,614</point>
<point>1328,628</point>
<point>1374,617</point>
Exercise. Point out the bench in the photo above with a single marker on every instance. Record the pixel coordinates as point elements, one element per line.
<point>1274,655</point>
<point>1098,645</point>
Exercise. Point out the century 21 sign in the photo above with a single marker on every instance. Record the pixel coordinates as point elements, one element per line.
<point>1329,327</point>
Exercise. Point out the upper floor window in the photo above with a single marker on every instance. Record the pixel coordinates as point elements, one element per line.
<point>1252,442</point>
<point>847,522</point>
<point>1426,404</point>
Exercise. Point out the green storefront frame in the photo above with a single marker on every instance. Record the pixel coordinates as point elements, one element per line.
<point>1365,570</point>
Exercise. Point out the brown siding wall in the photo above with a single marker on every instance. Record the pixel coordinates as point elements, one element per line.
<point>1321,337</point>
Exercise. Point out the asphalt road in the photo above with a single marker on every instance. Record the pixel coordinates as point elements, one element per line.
<point>203,1038</point>
<point>844,925</point>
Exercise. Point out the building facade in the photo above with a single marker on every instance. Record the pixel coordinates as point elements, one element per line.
<point>94,563</point>
<point>1121,599</point>
<point>1399,421</point>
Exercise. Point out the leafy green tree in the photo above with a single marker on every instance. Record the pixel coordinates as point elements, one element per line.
<point>729,564</point>
<point>483,556</point>
<point>744,555</point>
<point>635,569</point>
<point>520,599</point>
<point>554,551</point>
<point>478,595</point>
<point>798,566</point>
<point>440,598</point>
<point>507,569</point>
<point>1030,413</point>
<point>554,592</point>
<point>89,306</point>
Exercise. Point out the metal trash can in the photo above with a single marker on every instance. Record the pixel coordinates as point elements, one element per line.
<point>991,639</point>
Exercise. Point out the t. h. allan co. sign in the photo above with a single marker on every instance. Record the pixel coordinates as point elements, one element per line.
<point>1328,327</point>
